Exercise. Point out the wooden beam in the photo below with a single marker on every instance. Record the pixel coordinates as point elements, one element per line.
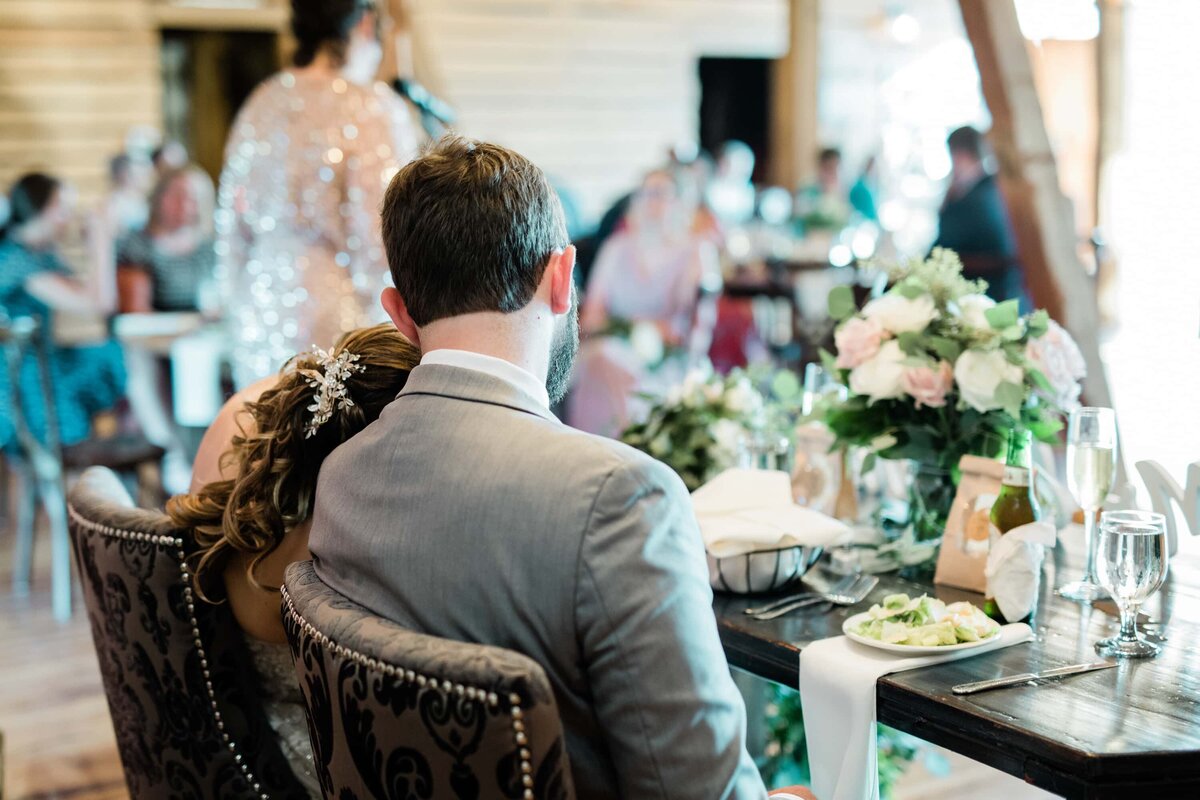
<point>1041,215</point>
<point>793,138</point>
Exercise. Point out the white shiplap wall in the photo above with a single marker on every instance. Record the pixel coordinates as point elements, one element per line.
<point>594,91</point>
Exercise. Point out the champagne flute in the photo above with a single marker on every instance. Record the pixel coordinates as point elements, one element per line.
<point>1133,564</point>
<point>1091,466</point>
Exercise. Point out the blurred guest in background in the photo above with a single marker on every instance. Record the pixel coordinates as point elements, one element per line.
<point>164,266</point>
<point>125,203</point>
<point>730,193</point>
<point>168,157</point>
<point>309,156</point>
<point>85,379</point>
<point>824,204</point>
<point>642,313</point>
<point>973,220</point>
<point>863,191</point>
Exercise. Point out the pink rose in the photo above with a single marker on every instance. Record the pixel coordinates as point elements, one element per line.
<point>928,385</point>
<point>858,340</point>
<point>1056,356</point>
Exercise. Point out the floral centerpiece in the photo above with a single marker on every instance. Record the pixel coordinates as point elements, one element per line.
<point>936,370</point>
<point>698,427</point>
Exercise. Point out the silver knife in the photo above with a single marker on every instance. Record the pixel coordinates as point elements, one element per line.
<point>1026,677</point>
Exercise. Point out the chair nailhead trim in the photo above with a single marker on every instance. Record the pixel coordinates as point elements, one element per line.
<point>176,543</point>
<point>445,687</point>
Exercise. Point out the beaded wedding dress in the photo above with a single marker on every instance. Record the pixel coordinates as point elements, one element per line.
<point>299,255</point>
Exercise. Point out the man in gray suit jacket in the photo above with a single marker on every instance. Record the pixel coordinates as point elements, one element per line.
<point>469,512</point>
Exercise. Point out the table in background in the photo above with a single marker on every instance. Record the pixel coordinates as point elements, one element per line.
<point>1131,732</point>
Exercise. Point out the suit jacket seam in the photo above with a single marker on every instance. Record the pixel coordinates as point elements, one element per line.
<point>649,751</point>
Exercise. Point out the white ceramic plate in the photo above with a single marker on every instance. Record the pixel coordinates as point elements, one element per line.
<point>853,622</point>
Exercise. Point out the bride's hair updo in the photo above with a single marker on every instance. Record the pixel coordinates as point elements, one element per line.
<point>275,462</point>
<point>328,23</point>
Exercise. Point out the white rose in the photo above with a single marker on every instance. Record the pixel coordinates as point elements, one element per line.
<point>879,377</point>
<point>712,393</point>
<point>727,436</point>
<point>741,398</point>
<point>971,310</point>
<point>898,314</point>
<point>979,373</point>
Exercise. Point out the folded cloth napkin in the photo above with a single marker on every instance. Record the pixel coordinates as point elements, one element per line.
<point>837,695</point>
<point>1014,567</point>
<point>744,510</point>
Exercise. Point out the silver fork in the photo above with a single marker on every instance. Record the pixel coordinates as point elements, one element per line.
<point>861,587</point>
<point>841,585</point>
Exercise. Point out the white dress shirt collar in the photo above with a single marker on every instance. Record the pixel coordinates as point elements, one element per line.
<point>506,371</point>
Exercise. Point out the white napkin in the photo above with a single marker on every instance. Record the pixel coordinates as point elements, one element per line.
<point>744,510</point>
<point>1014,567</point>
<point>837,695</point>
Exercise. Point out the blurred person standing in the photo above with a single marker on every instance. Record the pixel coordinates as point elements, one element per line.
<point>125,204</point>
<point>647,283</point>
<point>824,204</point>
<point>164,266</point>
<point>85,379</point>
<point>730,194</point>
<point>299,255</point>
<point>168,157</point>
<point>973,220</point>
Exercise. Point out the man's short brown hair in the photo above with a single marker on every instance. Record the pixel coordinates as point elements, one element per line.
<point>468,227</point>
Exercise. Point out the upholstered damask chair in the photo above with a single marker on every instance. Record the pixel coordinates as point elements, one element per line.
<point>398,714</point>
<point>181,688</point>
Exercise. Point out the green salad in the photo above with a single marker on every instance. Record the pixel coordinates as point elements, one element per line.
<point>926,622</point>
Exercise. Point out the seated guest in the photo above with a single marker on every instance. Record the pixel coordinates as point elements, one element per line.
<point>650,272</point>
<point>163,266</point>
<point>252,493</point>
<point>973,220</point>
<point>825,203</point>
<point>467,511</point>
<point>84,379</point>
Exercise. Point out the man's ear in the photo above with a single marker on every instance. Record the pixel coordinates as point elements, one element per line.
<point>396,309</point>
<point>562,279</point>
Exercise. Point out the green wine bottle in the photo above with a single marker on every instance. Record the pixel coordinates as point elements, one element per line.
<point>1016,504</point>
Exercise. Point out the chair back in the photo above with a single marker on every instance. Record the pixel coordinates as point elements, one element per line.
<point>181,687</point>
<point>398,714</point>
<point>1166,493</point>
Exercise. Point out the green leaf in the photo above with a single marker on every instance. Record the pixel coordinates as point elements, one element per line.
<point>829,362</point>
<point>1040,380</point>
<point>1010,396</point>
<point>947,349</point>
<point>910,343</point>
<point>841,303</point>
<point>1038,324</point>
<point>1004,315</point>
<point>1012,333</point>
<point>868,463</point>
<point>786,386</point>
<point>910,288</point>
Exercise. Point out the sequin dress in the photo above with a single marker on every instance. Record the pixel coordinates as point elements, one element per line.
<point>299,255</point>
<point>284,707</point>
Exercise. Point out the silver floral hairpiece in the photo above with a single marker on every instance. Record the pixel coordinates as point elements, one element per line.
<point>330,383</point>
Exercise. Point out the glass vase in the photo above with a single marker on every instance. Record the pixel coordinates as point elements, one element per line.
<point>930,498</point>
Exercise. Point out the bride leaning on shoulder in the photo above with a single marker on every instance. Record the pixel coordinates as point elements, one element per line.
<point>256,469</point>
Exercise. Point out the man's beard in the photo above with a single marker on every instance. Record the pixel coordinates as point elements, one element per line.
<point>562,353</point>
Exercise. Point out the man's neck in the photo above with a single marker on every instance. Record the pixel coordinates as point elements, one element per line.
<point>505,336</point>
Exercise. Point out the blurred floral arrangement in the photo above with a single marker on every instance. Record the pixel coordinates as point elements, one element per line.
<point>937,370</point>
<point>698,427</point>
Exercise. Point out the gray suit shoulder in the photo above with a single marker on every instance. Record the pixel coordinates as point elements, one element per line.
<point>611,456</point>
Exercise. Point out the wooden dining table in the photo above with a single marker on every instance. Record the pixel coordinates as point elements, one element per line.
<point>1130,732</point>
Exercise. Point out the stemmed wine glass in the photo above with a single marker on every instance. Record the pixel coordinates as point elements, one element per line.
<point>1091,466</point>
<point>1132,566</point>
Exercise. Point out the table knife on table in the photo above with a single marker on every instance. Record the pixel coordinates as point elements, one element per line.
<point>1027,677</point>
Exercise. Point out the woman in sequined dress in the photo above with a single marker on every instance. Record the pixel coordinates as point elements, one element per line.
<point>251,498</point>
<point>310,154</point>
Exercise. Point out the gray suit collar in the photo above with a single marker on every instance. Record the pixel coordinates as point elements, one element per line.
<point>443,380</point>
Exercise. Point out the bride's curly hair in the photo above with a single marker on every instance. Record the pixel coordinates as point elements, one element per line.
<point>275,463</point>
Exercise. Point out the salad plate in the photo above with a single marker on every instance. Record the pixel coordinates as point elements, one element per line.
<point>921,625</point>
